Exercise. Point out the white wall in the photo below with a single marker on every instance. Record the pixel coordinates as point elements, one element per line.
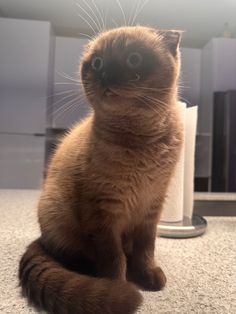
<point>190,75</point>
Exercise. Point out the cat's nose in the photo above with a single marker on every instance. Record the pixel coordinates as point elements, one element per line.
<point>109,78</point>
<point>104,78</point>
<point>111,74</point>
<point>104,75</point>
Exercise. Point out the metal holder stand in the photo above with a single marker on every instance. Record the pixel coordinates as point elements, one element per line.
<point>187,228</point>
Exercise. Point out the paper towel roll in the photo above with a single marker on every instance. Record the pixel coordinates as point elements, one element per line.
<point>189,154</point>
<point>173,207</point>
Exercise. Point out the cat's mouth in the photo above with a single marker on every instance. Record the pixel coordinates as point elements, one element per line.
<point>108,92</point>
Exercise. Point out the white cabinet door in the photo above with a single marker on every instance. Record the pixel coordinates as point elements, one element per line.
<point>21,161</point>
<point>25,63</point>
<point>218,74</point>
<point>69,106</point>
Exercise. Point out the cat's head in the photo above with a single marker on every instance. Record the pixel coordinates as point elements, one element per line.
<point>130,65</point>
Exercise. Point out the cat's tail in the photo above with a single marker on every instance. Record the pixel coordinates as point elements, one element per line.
<point>52,288</point>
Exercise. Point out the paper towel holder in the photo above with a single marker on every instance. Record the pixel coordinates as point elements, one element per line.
<point>187,228</point>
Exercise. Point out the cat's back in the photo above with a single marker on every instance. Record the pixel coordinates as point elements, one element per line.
<point>72,146</point>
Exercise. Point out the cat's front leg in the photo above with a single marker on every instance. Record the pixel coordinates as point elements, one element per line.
<point>141,265</point>
<point>109,256</point>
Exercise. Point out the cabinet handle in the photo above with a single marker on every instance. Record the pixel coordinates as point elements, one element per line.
<point>39,134</point>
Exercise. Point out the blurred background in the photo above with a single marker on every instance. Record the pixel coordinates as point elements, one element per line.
<point>40,95</point>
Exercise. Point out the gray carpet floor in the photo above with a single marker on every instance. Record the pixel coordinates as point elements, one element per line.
<point>201,271</point>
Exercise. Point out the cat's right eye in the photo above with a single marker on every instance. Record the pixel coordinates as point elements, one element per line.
<point>134,60</point>
<point>97,64</point>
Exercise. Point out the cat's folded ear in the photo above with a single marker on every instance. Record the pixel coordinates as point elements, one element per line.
<point>171,39</point>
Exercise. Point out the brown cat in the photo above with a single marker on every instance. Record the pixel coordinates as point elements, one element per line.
<point>107,181</point>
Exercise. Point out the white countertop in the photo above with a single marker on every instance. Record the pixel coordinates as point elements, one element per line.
<point>213,196</point>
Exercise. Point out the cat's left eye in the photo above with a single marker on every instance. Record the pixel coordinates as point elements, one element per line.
<point>97,63</point>
<point>134,60</point>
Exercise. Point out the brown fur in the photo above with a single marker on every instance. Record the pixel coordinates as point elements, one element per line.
<point>107,182</point>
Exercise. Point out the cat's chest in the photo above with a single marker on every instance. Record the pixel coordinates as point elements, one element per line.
<point>127,182</point>
<point>139,178</point>
<point>144,176</point>
<point>146,165</point>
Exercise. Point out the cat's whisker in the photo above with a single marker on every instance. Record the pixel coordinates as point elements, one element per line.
<point>94,21</point>
<point>64,75</point>
<point>164,90</point>
<point>71,78</point>
<point>137,6</point>
<point>155,101</point>
<point>186,100</point>
<point>83,102</point>
<point>54,104</point>
<point>162,107</point>
<point>144,87</point>
<point>65,108</point>
<point>155,88</point>
<point>92,28</point>
<point>148,104</point>
<point>55,112</point>
<point>76,99</point>
<point>86,35</point>
<point>105,15</point>
<point>183,86</point>
<point>76,82</point>
<point>70,106</point>
<point>99,13</point>
<point>114,22</point>
<point>158,91</point>
<point>90,18</point>
<point>147,98</point>
<point>139,11</point>
<point>59,93</point>
<point>62,93</point>
<point>73,110</point>
<point>105,19</point>
<point>153,108</point>
<point>67,83</point>
<point>132,11</point>
<point>100,22</point>
<point>158,110</point>
<point>83,82</point>
<point>122,11</point>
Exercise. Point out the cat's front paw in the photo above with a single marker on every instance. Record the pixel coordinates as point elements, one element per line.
<point>150,279</point>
